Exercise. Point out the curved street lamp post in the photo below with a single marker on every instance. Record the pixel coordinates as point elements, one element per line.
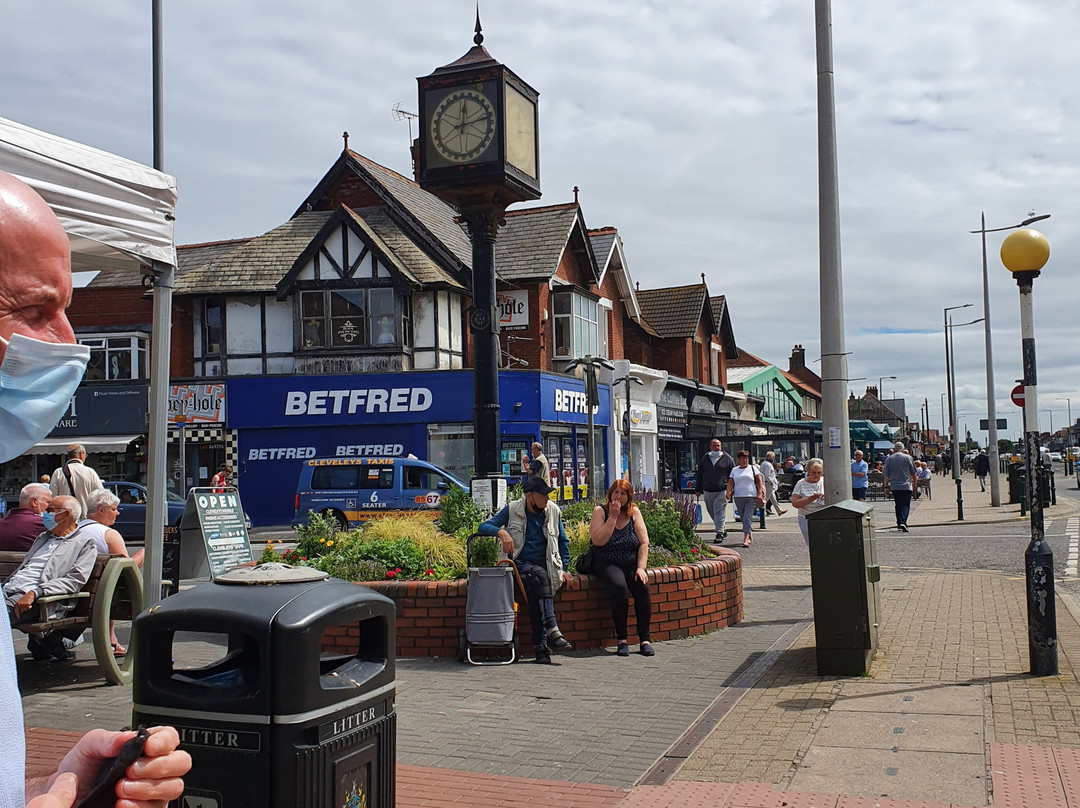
<point>950,387</point>
<point>991,403</point>
<point>1024,253</point>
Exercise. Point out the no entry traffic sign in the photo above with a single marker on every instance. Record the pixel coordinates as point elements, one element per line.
<point>1017,395</point>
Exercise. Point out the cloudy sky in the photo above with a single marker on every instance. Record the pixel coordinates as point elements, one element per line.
<point>688,124</point>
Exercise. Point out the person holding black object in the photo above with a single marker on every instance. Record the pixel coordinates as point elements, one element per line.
<point>620,544</point>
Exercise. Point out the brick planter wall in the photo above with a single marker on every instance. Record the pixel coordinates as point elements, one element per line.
<point>688,600</point>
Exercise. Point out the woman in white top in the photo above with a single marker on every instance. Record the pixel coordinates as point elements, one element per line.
<point>808,495</point>
<point>101,512</point>
<point>747,488</point>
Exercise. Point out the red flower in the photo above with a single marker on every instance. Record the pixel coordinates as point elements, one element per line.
<point>429,571</point>
<point>391,573</point>
<point>693,549</point>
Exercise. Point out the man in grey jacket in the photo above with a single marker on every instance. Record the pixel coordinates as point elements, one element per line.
<point>59,562</point>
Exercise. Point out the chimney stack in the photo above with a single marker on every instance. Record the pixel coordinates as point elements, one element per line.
<point>798,359</point>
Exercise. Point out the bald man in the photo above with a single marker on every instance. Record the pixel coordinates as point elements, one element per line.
<point>41,368</point>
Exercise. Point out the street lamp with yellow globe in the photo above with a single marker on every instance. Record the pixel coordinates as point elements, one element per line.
<point>1024,253</point>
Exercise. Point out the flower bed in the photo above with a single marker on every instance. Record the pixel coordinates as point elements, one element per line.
<point>688,600</point>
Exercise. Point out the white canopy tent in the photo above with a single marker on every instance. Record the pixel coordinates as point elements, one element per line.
<point>114,210</point>
<point>117,214</point>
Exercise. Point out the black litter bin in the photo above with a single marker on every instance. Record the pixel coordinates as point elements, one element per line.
<point>283,694</point>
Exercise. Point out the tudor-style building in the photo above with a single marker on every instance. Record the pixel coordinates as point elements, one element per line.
<point>342,330</point>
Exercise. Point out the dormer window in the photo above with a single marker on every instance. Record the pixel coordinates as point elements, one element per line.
<point>353,318</point>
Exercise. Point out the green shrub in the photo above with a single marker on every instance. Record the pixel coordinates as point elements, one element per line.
<point>317,536</point>
<point>438,549</point>
<point>580,511</point>
<point>485,552</point>
<point>664,521</point>
<point>459,512</point>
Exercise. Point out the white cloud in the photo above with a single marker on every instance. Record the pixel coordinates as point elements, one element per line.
<point>688,124</point>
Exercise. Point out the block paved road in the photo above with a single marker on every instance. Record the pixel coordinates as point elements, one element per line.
<point>578,720</point>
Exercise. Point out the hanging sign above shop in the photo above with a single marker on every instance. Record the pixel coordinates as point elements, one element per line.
<point>513,310</point>
<point>197,404</point>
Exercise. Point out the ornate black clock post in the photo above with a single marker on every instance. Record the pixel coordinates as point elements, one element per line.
<point>479,151</point>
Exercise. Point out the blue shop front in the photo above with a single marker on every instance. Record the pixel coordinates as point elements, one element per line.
<point>282,421</point>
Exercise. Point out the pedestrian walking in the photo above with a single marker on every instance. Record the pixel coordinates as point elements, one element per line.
<point>713,471</point>
<point>768,474</point>
<point>75,478</point>
<point>982,467</point>
<point>746,487</point>
<point>900,480</point>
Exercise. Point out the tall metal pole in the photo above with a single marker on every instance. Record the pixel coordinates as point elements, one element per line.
<point>1039,558</point>
<point>161,279</point>
<point>836,435</point>
<point>483,225</point>
<point>955,425</point>
<point>991,403</point>
<point>629,439</point>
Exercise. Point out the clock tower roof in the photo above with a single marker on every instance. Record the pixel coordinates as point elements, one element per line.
<point>477,55</point>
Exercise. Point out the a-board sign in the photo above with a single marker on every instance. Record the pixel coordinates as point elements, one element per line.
<point>220,518</point>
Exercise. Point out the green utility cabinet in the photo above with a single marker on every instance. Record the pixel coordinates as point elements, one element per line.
<point>844,573</point>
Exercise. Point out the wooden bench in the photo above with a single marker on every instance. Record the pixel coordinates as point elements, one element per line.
<point>113,592</point>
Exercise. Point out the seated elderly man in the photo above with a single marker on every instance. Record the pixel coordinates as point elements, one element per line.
<point>23,524</point>
<point>58,563</point>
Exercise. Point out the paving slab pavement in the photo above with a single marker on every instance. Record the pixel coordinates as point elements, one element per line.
<point>533,735</point>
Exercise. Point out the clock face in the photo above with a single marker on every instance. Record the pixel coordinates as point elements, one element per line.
<point>463,125</point>
<point>479,319</point>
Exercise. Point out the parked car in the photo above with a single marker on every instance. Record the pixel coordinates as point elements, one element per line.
<point>1055,457</point>
<point>354,490</point>
<point>133,498</point>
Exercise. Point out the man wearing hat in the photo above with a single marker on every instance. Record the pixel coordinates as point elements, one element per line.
<point>531,532</point>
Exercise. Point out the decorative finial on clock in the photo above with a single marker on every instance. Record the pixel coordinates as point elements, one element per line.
<point>479,36</point>
<point>345,137</point>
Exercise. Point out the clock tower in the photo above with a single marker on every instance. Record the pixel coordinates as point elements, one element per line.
<point>478,132</point>
<point>479,150</point>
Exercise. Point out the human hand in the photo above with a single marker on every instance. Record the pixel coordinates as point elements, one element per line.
<point>150,782</point>
<point>642,576</point>
<point>62,794</point>
<point>565,576</point>
<point>23,604</point>
<point>508,545</point>
<point>613,510</point>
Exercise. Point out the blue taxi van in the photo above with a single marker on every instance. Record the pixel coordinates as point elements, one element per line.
<point>354,490</point>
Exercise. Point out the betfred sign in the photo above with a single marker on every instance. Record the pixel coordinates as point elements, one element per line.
<point>1017,395</point>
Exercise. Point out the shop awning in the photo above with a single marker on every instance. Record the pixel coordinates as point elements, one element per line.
<point>98,443</point>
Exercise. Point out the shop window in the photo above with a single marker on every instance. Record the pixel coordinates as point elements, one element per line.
<point>354,318</point>
<point>576,320</point>
<point>116,357</point>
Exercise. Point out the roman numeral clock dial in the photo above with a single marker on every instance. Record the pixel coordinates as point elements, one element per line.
<point>463,126</point>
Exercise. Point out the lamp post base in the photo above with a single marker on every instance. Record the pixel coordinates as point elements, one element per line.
<point>1041,609</point>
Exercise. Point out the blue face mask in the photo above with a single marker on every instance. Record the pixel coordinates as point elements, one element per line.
<point>49,519</point>
<point>715,455</point>
<point>37,380</point>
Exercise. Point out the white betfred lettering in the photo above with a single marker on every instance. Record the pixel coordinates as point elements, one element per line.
<point>420,399</point>
<point>338,396</point>
<point>399,399</point>
<point>377,400</point>
<point>282,453</point>
<point>316,404</point>
<point>295,403</point>
<point>337,402</point>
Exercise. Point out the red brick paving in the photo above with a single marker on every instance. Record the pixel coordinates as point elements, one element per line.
<point>1042,776</point>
